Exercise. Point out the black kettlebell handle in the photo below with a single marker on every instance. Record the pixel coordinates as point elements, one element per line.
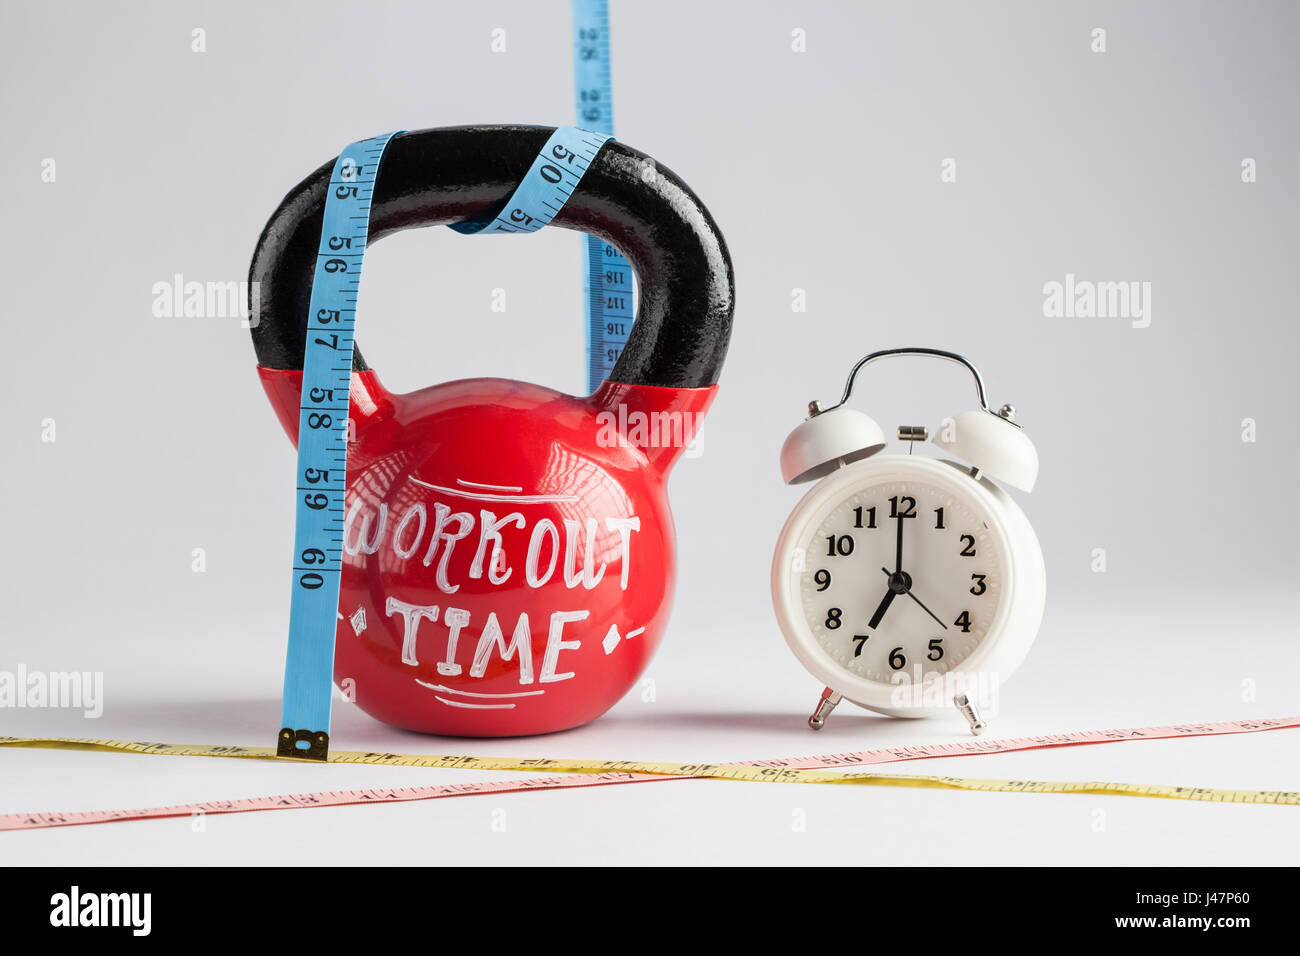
<point>454,174</point>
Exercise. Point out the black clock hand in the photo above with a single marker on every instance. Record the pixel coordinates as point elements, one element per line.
<point>880,611</point>
<point>927,610</point>
<point>908,591</point>
<point>898,559</point>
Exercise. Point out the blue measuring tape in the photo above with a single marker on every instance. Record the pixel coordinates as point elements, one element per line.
<point>547,185</point>
<point>323,415</point>
<point>322,451</point>
<point>607,276</point>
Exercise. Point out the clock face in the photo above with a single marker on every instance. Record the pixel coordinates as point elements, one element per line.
<point>901,579</point>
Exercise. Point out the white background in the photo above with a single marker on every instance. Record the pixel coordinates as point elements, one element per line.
<point>822,169</point>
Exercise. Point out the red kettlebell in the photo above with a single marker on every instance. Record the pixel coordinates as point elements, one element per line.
<point>508,549</point>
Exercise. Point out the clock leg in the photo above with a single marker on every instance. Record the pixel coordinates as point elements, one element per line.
<point>824,707</point>
<point>972,715</point>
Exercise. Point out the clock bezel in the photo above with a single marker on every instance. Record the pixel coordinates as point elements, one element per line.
<point>1009,634</point>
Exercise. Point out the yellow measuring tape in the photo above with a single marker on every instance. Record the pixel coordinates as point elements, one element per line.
<point>758,772</point>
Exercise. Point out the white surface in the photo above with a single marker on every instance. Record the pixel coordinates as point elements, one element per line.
<point>746,699</point>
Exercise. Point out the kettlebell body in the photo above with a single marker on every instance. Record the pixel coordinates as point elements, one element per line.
<point>509,562</point>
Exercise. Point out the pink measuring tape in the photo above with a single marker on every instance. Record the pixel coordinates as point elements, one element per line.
<point>584,773</point>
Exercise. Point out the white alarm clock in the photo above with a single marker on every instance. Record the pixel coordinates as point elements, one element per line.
<point>904,583</point>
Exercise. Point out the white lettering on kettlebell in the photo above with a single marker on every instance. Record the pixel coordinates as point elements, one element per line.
<point>543,528</point>
<point>521,644</point>
<point>415,511</point>
<point>586,578</point>
<point>428,530</point>
<point>518,649</point>
<point>490,530</point>
<point>455,619</point>
<point>465,521</point>
<point>555,643</point>
<point>364,532</point>
<point>365,543</point>
<point>411,614</point>
<point>624,527</point>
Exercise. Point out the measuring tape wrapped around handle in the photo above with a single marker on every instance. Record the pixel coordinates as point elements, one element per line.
<point>466,174</point>
<point>463,643</point>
